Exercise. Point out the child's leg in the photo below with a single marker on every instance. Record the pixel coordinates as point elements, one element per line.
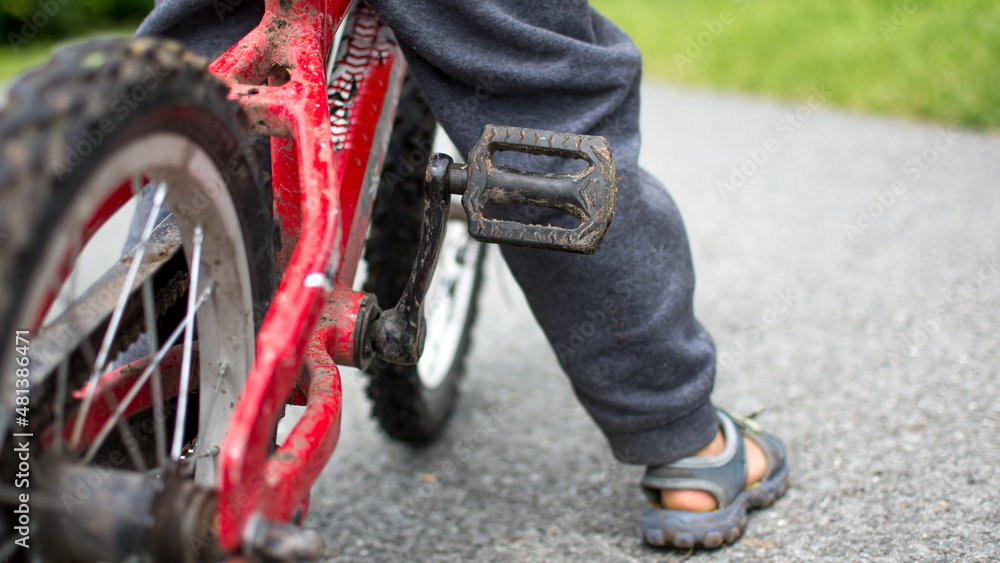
<point>621,320</point>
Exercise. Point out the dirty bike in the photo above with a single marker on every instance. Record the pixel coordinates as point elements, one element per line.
<point>139,403</point>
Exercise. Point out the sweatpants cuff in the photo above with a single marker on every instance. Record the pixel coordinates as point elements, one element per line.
<point>666,444</point>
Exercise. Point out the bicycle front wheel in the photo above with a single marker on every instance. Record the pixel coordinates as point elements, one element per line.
<point>132,368</point>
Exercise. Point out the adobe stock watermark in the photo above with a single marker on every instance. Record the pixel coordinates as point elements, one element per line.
<point>485,86</point>
<point>559,10</point>
<point>405,165</point>
<point>713,28</point>
<point>121,107</point>
<point>883,200</point>
<point>223,7</point>
<point>604,315</point>
<point>785,129</point>
<point>910,345</point>
<point>781,304</point>
<point>901,13</point>
<point>462,451</point>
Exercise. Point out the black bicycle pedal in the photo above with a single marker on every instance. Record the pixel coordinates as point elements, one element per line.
<point>587,195</point>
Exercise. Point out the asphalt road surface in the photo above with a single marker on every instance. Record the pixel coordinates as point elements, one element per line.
<point>850,274</point>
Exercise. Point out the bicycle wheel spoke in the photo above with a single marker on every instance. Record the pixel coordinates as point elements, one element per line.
<point>89,356</point>
<point>182,392</point>
<point>136,184</point>
<point>126,435</point>
<point>39,499</point>
<point>116,315</point>
<point>159,426</point>
<point>46,500</point>
<point>208,416</point>
<point>67,293</point>
<point>137,386</point>
<point>61,377</point>
<point>75,275</point>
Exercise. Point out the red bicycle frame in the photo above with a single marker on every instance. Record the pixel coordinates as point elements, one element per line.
<point>329,130</point>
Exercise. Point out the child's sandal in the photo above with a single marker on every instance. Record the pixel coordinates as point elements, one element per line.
<point>723,476</point>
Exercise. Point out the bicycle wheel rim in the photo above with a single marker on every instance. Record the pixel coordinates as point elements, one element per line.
<point>448,304</point>
<point>194,189</point>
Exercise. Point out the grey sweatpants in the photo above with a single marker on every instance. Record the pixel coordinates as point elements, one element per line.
<point>620,320</point>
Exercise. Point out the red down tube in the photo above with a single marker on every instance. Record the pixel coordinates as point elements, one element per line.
<point>323,172</point>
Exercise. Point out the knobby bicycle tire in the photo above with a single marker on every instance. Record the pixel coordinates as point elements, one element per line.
<point>60,122</point>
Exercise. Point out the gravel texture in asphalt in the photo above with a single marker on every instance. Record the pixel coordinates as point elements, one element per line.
<point>849,270</point>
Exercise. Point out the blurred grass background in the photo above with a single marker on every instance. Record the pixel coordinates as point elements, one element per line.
<point>929,59</point>
<point>32,28</point>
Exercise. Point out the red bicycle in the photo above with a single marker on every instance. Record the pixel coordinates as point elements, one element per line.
<point>139,402</point>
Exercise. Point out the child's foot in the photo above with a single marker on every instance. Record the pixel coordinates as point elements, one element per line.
<point>702,500</point>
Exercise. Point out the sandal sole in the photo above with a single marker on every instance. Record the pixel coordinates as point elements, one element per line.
<point>687,530</point>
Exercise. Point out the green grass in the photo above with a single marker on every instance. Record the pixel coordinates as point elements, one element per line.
<point>35,53</point>
<point>930,59</point>
<point>940,62</point>
<point>13,63</point>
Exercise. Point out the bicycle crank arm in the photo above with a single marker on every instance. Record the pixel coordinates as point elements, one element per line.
<point>397,335</point>
<point>587,195</point>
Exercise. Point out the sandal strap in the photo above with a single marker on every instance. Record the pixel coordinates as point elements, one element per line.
<point>774,450</point>
<point>723,476</point>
